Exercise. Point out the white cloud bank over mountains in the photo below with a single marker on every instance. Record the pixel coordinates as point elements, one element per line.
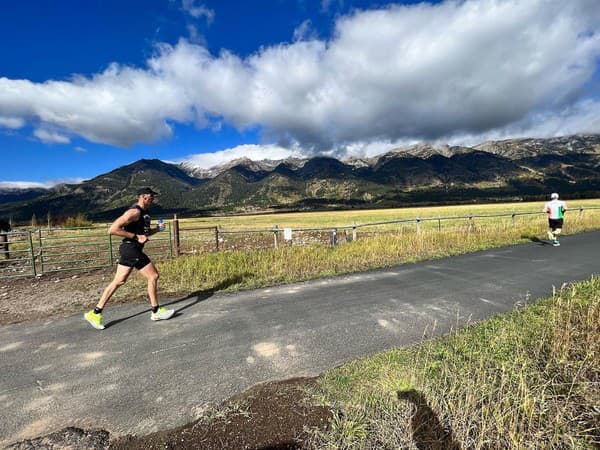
<point>459,71</point>
<point>9,185</point>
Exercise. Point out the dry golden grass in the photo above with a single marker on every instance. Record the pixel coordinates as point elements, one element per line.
<point>348,217</point>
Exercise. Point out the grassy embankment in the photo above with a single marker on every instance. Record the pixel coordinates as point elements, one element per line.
<point>375,247</point>
<point>525,380</point>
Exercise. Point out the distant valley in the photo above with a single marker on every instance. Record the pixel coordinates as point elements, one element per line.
<point>509,170</point>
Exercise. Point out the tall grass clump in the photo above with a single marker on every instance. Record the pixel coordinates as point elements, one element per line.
<point>525,380</point>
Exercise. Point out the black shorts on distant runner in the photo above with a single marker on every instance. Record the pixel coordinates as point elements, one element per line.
<point>133,256</point>
<point>555,223</point>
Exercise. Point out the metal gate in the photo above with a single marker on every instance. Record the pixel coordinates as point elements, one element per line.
<point>32,253</point>
<point>17,257</point>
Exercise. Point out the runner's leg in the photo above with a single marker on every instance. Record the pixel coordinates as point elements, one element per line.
<point>151,274</point>
<point>119,280</point>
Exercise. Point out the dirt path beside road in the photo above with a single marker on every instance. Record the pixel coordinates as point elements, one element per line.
<point>56,295</point>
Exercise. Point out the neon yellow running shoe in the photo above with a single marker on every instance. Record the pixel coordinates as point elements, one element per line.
<point>95,320</point>
<point>162,314</point>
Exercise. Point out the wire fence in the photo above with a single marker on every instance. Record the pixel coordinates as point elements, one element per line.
<point>51,250</point>
<point>193,239</point>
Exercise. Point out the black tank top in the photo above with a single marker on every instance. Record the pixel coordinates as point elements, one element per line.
<point>140,226</point>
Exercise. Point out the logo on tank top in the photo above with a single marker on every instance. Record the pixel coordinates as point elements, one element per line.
<point>147,223</point>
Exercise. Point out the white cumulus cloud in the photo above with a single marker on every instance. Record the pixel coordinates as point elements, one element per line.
<point>251,151</point>
<point>5,185</point>
<point>12,122</point>
<point>8,185</point>
<point>51,137</point>
<point>455,70</point>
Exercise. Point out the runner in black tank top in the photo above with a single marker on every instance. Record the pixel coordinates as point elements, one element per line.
<point>134,227</point>
<point>131,248</point>
<point>140,226</point>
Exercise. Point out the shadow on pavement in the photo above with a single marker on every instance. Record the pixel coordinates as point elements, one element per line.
<point>537,240</point>
<point>428,432</point>
<point>199,296</point>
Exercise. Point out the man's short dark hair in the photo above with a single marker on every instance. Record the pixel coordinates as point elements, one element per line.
<point>147,190</point>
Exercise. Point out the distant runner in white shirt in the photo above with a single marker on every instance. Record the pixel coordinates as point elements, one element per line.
<point>556,209</point>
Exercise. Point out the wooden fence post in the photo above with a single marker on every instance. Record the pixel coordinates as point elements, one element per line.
<point>580,212</point>
<point>276,236</point>
<point>32,253</point>
<point>353,231</point>
<point>176,235</point>
<point>418,224</point>
<point>5,227</point>
<point>513,219</point>
<point>217,238</point>
<point>4,245</point>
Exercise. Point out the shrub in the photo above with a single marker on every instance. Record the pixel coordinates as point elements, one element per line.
<point>80,220</point>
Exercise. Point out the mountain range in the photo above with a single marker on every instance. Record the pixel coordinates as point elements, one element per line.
<point>508,170</point>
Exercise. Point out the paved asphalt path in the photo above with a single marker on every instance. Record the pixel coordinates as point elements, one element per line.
<point>139,376</point>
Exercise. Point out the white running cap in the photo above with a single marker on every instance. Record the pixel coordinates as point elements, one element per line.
<point>554,195</point>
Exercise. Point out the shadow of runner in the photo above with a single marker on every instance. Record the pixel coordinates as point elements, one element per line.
<point>537,240</point>
<point>199,295</point>
<point>428,431</point>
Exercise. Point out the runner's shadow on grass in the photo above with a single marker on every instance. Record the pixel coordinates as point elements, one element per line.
<point>199,296</point>
<point>428,432</point>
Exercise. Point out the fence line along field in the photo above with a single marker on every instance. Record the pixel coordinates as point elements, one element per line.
<point>199,235</point>
<point>412,231</point>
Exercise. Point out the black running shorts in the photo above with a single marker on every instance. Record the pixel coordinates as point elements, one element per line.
<point>555,223</point>
<point>133,256</point>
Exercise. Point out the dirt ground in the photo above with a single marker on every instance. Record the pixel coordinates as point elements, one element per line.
<point>271,416</point>
<point>57,295</point>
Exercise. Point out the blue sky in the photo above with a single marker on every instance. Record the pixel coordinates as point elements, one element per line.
<point>86,87</point>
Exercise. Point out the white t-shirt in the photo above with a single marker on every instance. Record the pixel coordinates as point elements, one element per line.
<point>555,208</point>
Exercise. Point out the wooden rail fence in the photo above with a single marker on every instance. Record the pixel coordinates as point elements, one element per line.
<point>41,251</point>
